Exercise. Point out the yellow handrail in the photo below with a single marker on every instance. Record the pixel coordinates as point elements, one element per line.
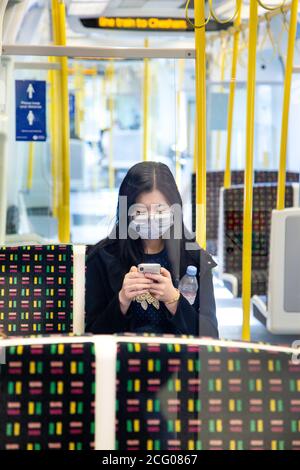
<point>79,98</point>
<point>111,171</point>
<point>146,105</point>
<point>248,189</point>
<point>286,105</point>
<point>232,87</point>
<point>181,70</point>
<point>200,122</point>
<point>64,182</point>
<point>30,165</point>
<point>195,144</point>
<point>55,117</point>
<point>222,77</point>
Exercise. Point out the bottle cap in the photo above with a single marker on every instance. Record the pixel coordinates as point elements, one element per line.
<point>191,270</point>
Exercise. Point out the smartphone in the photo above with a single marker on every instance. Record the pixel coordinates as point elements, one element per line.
<point>153,268</point>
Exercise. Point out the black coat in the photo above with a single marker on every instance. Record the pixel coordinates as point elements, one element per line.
<point>104,278</point>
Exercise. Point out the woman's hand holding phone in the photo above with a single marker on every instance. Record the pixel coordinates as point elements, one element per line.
<point>163,289</point>
<point>134,284</point>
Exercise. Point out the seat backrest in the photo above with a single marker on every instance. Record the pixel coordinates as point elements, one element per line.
<point>206,396</point>
<point>271,176</point>
<point>284,286</point>
<point>38,284</point>
<point>47,396</point>
<point>231,224</point>
<point>214,182</point>
<point>147,393</point>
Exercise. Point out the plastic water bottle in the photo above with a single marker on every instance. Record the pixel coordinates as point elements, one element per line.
<point>188,285</point>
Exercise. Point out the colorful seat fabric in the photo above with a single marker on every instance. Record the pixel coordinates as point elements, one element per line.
<point>47,397</point>
<point>172,394</point>
<point>214,182</point>
<point>231,238</point>
<point>206,397</point>
<point>36,289</point>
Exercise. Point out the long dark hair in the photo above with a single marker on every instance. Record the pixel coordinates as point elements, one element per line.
<point>145,177</point>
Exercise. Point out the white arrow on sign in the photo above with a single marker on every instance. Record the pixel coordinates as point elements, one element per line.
<point>30,118</point>
<point>30,90</point>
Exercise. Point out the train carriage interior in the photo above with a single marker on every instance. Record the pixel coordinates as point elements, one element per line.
<point>88,90</point>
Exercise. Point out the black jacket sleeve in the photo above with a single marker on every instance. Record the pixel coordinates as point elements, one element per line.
<point>102,308</point>
<point>200,318</point>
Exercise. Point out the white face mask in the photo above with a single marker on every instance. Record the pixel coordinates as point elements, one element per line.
<point>152,228</point>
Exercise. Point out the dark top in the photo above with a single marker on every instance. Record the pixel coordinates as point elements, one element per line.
<point>104,278</point>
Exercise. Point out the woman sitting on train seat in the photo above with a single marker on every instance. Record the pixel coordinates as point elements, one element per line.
<point>149,229</point>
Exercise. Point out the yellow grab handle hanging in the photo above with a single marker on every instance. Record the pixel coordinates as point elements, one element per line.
<point>227,20</point>
<point>196,24</point>
<point>273,8</point>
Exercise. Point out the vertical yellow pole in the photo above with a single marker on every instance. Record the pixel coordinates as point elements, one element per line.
<point>286,105</point>
<point>30,165</point>
<point>55,116</point>
<point>146,105</point>
<point>266,159</point>
<point>219,132</point>
<point>195,143</point>
<point>64,206</point>
<point>248,190</point>
<point>111,171</point>
<point>200,122</point>
<point>77,84</point>
<point>181,70</point>
<point>232,87</point>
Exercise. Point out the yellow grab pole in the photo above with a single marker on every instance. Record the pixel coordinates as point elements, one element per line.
<point>286,105</point>
<point>266,159</point>
<point>55,116</point>
<point>30,165</point>
<point>181,70</point>
<point>77,85</point>
<point>227,175</point>
<point>195,144</point>
<point>111,172</point>
<point>54,136</point>
<point>146,105</point>
<point>79,98</point>
<point>219,133</point>
<point>248,189</point>
<point>64,190</point>
<point>200,123</point>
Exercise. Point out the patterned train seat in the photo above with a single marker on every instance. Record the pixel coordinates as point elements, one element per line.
<point>37,289</point>
<point>214,182</point>
<point>47,396</point>
<point>206,397</point>
<point>138,393</point>
<point>231,234</point>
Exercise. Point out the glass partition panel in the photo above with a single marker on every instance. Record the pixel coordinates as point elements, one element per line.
<point>106,107</point>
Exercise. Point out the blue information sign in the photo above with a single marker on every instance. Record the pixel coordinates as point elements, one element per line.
<point>31,110</point>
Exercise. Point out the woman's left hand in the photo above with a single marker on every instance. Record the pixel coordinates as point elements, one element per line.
<point>163,289</point>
